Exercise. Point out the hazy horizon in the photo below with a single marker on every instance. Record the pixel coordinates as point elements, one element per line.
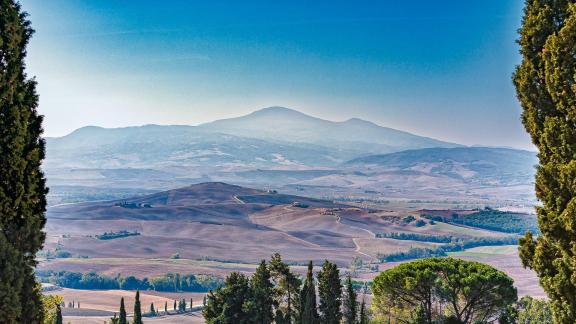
<point>440,70</point>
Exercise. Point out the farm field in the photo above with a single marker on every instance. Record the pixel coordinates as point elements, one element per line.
<point>215,229</point>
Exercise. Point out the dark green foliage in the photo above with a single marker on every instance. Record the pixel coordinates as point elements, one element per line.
<point>137,309</point>
<point>152,310</point>
<point>58,317</point>
<point>262,295</point>
<point>114,319</point>
<point>174,305</point>
<point>227,304</point>
<point>454,246</point>
<point>166,307</point>
<point>545,87</point>
<point>418,237</point>
<point>308,312</point>
<point>169,282</point>
<point>122,318</point>
<point>330,293</point>
<point>191,304</point>
<point>533,311</point>
<point>350,303</point>
<point>363,316</point>
<point>287,287</point>
<point>420,223</point>
<point>408,219</point>
<point>444,288</point>
<point>495,220</point>
<point>22,186</point>
<point>115,235</point>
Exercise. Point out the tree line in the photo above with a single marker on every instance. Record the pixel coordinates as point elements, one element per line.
<point>494,220</point>
<point>170,282</point>
<point>443,250</point>
<point>274,294</point>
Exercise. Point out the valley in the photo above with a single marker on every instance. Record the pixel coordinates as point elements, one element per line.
<point>214,229</point>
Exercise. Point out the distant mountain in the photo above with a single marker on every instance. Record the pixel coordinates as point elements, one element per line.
<point>154,146</point>
<point>287,125</point>
<point>268,137</point>
<point>483,164</point>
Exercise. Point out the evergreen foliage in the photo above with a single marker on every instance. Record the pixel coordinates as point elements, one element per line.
<point>445,289</point>
<point>350,303</point>
<point>227,304</point>
<point>308,311</point>
<point>545,88</point>
<point>363,317</point>
<point>330,293</point>
<point>58,317</point>
<point>287,289</point>
<point>533,311</point>
<point>23,186</point>
<point>122,318</point>
<point>137,309</point>
<point>262,295</point>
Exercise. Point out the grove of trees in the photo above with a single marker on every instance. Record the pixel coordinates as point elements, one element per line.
<point>276,295</point>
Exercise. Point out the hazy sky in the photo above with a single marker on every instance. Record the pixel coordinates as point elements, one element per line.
<point>435,68</point>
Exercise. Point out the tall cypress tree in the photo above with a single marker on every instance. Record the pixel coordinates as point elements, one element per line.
<point>262,299</point>
<point>350,303</point>
<point>287,288</point>
<point>364,319</point>
<point>330,292</point>
<point>122,319</point>
<point>58,317</point>
<point>308,312</point>
<point>137,309</point>
<point>545,88</point>
<point>23,187</point>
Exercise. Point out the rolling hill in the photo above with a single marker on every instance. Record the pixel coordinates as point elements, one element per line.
<point>484,165</point>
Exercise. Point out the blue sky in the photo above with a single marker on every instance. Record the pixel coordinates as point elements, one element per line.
<point>435,68</point>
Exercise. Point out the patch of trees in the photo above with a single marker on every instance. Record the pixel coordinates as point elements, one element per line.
<point>125,204</point>
<point>493,220</point>
<point>417,237</point>
<point>453,246</point>
<point>442,290</point>
<point>274,294</point>
<point>115,235</point>
<point>168,283</point>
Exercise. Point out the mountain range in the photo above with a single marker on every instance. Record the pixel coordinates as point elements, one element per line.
<point>274,147</point>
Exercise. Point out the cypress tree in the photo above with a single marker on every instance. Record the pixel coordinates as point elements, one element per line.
<point>308,312</point>
<point>330,292</point>
<point>122,319</point>
<point>23,187</point>
<point>152,310</point>
<point>287,287</point>
<point>262,300</point>
<point>545,88</point>
<point>137,309</point>
<point>166,307</point>
<point>58,317</point>
<point>174,304</point>
<point>191,304</point>
<point>350,303</point>
<point>363,313</point>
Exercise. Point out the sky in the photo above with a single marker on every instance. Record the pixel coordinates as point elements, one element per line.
<point>436,68</point>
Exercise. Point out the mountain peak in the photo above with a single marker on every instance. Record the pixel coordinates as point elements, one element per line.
<point>277,110</point>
